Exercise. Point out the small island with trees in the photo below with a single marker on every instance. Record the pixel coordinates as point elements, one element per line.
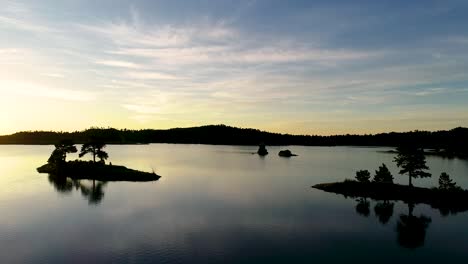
<point>412,162</point>
<point>97,169</point>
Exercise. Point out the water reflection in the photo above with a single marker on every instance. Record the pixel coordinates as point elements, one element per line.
<point>411,229</point>
<point>93,192</point>
<point>384,211</point>
<point>213,207</point>
<point>362,207</point>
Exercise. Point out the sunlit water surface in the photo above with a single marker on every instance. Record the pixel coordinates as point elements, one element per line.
<point>217,204</point>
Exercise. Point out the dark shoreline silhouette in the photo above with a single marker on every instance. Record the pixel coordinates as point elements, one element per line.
<point>451,143</point>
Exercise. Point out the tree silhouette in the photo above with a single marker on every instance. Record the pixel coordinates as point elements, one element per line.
<point>412,161</point>
<point>447,184</point>
<point>412,229</point>
<point>94,147</point>
<point>363,176</point>
<point>102,155</point>
<point>59,155</point>
<point>383,175</point>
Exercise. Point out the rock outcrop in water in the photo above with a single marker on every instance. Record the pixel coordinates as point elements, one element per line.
<point>286,153</point>
<point>262,151</point>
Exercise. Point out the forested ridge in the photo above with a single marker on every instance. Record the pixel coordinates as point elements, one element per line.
<point>454,140</point>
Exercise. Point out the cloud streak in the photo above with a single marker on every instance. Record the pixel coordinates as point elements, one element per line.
<point>27,89</point>
<point>119,64</point>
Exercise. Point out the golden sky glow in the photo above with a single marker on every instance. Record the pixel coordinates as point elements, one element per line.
<point>72,65</point>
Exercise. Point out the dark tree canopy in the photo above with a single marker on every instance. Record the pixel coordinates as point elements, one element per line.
<point>447,184</point>
<point>94,147</point>
<point>102,155</point>
<point>363,176</point>
<point>61,150</point>
<point>383,175</point>
<point>412,161</point>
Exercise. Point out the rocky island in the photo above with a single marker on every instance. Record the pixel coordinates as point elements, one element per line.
<point>262,151</point>
<point>90,170</point>
<point>87,170</point>
<point>286,153</point>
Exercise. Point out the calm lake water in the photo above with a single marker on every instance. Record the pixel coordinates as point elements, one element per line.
<point>219,204</point>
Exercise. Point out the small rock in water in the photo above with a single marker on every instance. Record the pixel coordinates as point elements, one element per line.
<point>286,153</point>
<point>262,151</point>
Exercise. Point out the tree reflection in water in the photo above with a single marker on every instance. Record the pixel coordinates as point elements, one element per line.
<point>384,211</point>
<point>362,207</point>
<point>93,192</point>
<point>411,230</point>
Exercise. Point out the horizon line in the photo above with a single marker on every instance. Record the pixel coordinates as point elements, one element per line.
<point>230,126</point>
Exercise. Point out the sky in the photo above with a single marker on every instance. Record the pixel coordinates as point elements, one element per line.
<point>300,67</point>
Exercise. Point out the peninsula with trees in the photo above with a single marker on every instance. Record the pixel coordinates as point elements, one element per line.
<point>447,197</point>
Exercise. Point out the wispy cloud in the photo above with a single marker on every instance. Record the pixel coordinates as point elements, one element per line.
<point>28,89</point>
<point>191,52</point>
<point>143,109</point>
<point>226,55</point>
<point>149,75</point>
<point>124,34</point>
<point>22,25</point>
<point>209,42</point>
<point>20,17</point>
<point>119,64</point>
<point>54,75</point>
<point>430,91</point>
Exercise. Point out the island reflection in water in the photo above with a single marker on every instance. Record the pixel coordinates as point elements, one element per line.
<point>411,229</point>
<point>91,190</point>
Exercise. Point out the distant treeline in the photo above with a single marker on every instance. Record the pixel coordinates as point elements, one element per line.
<point>454,140</point>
